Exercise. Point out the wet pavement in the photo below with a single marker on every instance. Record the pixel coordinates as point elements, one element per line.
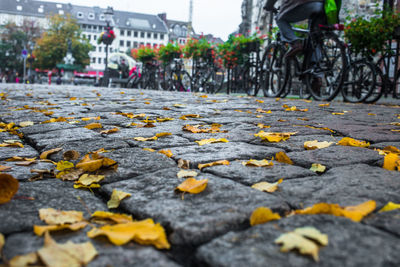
<point>210,228</point>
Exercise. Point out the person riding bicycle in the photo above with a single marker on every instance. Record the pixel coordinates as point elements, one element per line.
<point>292,11</point>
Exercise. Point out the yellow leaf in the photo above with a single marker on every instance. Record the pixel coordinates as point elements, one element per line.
<point>63,165</point>
<point>94,125</point>
<point>148,149</point>
<point>274,137</point>
<point>311,145</point>
<point>260,110</point>
<point>113,130</point>
<point>211,140</point>
<point>144,232</point>
<point>391,149</point>
<point>4,168</point>
<point>165,119</point>
<point>337,113</point>
<point>87,179</point>
<point>8,187</point>
<point>2,241</point>
<point>315,167</point>
<point>215,163</point>
<point>41,229</point>
<point>391,162</point>
<point>267,187</point>
<point>179,105</point>
<point>52,216</point>
<point>262,126</point>
<point>68,254</point>
<point>260,101</point>
<point>26,123</point>
<point>70,174</point>
<point>355,213</point>
<point>258,163</point>
<point>116,197</point>
<point>294,108</point>
<point>143,139</point>
<point>325,105</point>
<point>91,118</point>
<point>390,206</point>
<point>77,186</point>
<point>193,186</point>
<point>347,141</point>
<point>185,117</point>
<point>186,173</point>
<point>166,152</point>
<point>312,233</point>
<point>371,114</point>
<point>14,144</point>
<point>24,260</point>
<point>283,158</point>
<point>262,215</point>
<point>292,240</point>
<point>72,98</point>
<point>90,165</point>
<point>115,217</point>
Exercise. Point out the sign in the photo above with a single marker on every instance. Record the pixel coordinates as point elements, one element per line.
<point>24,53</point>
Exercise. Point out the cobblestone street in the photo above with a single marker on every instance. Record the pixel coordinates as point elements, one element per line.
<point>211,228</point>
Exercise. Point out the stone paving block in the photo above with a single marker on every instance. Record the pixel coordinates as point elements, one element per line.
<point>9,152</point>
<point>46,127</point>
<point>251,175</point>
<point>21,213</point>
<point>23,115</point>
<point>388,221</point>
<point>60,137</point>
<point>347,186</point>
<point>108,254</point>
<point>385,144</point>
<point>23,173</point>
<point>220,151</point>
<point>135,161</point>
<point>192,218</point>
<point>334,156</point>
<point>161,143</point>
<point>350,244</point>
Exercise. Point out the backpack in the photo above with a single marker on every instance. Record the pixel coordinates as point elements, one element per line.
<point>332,9</point>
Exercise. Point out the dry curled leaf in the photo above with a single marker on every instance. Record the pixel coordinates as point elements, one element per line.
<point>52,216</point>
<point>258,163</point>
<point>87,179</point>
<point>283,158</point>
<point>274,137</point>
<point>2,241</point>
<point>110,131</point>
<point>183,164</point>
<point>115,217</point>
<point>148,149</point>
<point>5,168</point>
<point>8,187</point>
<point>193,186</point>
<point>390,206</point>
<point>347,141</point>
<point>41,229</point>
<point>267,187</point>
<point>263,215</point>
<point>12,144</point>
<point>24,260</point>
<point>391,162</point>
<point>215,163</point>
<point>316,167</point>
<point>311,145</point>
<point>166,152</point>
<point>45,154</point>
<point>71,155</point>
<point>144,232</point>
<point>186,174</point>
<point>94,125</point>
<point>211,140</point>
<point>116,197</point>
<point>26,123</point>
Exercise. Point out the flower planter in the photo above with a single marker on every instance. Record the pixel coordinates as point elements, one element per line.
<point>252,46</point>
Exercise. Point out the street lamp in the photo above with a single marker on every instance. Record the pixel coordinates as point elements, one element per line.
<point>108,38</point>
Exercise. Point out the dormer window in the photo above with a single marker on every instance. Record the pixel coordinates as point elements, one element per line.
<point>102,17</point>
<point>59,5</point>
<point>61,12</point>
<point>40,10</point>
<point>19,8</point>
<point>79,15</point>
<point>91,16</point>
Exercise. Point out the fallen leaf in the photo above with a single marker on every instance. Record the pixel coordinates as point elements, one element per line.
<point>211,140</point>
<point>262,215</point>
<point>91,118</point>
<point>183,164</point>
<point>45,154</point>
<point>24,260</point>
<point>69,254</point>
<point>325,105</point>
<point>14,144</point>
<point>113,130</point>
<point>355,213</point>
<point>260,110</point>
<point>144,139</point>
<point>312,233</point>
<point>262,126</point>
<point>144,232</point>
<point>215,163</point>
<point>186,173</point>
<point>371,114</point>
<point>185,117</point>
<point>41,229</point>
<point>311,145</point>
<point>116,197</point>
<point>283,158</point>
<point>25,163</point>
<point>53,217</point>
<point>5,168</point>
<point>71,155</point>
<point>2,241</point>
<point>165,119</point>
<point>337,113</point>
<point>94,125</point>
<point>294,108</point>
<point>215,128</point>
<point>315,167</point>
<point>115,217</point>
<point>70,174</point>
<point>64,165</point>
<point>148,149</point>
<point>8,187</point>
<point>94,162</point>
<point>391,149</point>
<point>92,186</point>
<point>26,123</point>
<point>166,152</point>
<point>258,163</point>
<point>347,141</point>
<point>390,206</point>
<point>274,137</point>
<point>193,186</point>
<point>267,187</point>
<point>391,161</point>
<point>87,179</point>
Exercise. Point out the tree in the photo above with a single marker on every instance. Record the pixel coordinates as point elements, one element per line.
<point>14,38</point>
<point>52,47</point>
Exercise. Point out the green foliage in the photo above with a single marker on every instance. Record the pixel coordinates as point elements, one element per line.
<point>370,36</point>
<point>197,48</point>
<point>52,46</point>
<point>167,53</point>
<point>144,53</point>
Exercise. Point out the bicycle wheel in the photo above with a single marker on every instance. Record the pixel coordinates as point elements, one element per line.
<point>273,70</point>
<point>378,89</point>
<point>214,81</point>
<point>133,80</point>
<point>396,92</point>
<point>359,81</point>
<point>249,81</point>
<point>326,75</point>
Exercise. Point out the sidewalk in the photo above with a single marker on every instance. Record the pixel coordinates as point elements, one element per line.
<point>210,228</point>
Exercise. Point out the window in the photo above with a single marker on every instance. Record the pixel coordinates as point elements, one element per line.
<point>59,5</point>
<point>149,35</point>
<point>155,35</point>
<point>161,36</point>
<point>89,37</point>
<point>102,17</point>
<point>93,60</point>
<point>121,43</point>
<point>135,44</point>
<point>122,32</point>
<point>142,34</point>
<point>79,15</point>
<point>99,48</point>
<point>95,28</point>
<point>61,12</point>
<point>94,37</point>
<point>104,60</point>
<point>99,60</point>
<point>128,43</point>
<point>135,34</point>
<point>19,8</point>
<point>129,33</point>
<point>40,10</point>
<point>91,16</point>
<point>89,27</point>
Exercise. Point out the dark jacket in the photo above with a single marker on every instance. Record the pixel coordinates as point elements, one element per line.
<point>286,5</point>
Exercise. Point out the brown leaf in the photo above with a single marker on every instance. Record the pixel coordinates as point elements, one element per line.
<point>215,163</point>
<point>71,155</point>
<point>5,168</point>
<point>113,130</point>
<point>94,125</point>
<point>283,158</point>
<point>183,164</point>
<point>45,154</point>
<point>8,187</point>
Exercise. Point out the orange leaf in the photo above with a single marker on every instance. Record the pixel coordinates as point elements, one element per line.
<point>262,215</point>
<point>45,154</point>
<point>94,125</point>
<point>274,137</point>
<point>347,141</point>
<point>215,163</point>
<point>8,187</point>
<point>4,168</point>
<point>283,158</point>
<point>41,229</point>
<point>193,186</point>
<point>211,140</point>
<point>391,161</point>
<point>167,153</point>
<point>113,130</point>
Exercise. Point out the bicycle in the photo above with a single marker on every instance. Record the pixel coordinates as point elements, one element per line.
<point>180,79</point>
<point>149,78</point>
<point>207,76</point>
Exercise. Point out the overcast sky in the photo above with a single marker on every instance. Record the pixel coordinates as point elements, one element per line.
<point>218,17</point>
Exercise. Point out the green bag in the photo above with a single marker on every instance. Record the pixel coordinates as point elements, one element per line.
<point>332,8</point>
